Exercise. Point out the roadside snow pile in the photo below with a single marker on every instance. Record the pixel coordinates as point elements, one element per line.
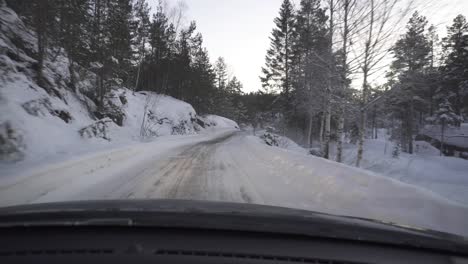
<point>219,122</point>
<point>274,140</point>
<point>446,176</point>
<point>56,120</point>
<point>453,136</point>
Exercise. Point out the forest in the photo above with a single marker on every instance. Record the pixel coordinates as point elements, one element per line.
<point>336,70</point>
<point>342,69</point>
<point>125,43</point>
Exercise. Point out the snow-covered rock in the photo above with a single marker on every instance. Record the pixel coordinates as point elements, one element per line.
<point>274,140</point>
<point>220,122</point>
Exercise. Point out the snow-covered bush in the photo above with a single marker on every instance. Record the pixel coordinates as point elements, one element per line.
<point>316,152</point>
<point>11,143</point>
<point>113,112</point>
<point>40,107</point>
<point>396,151</point>
<point>98,129</point>
<point>270,139</point>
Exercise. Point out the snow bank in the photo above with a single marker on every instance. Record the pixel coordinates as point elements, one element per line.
<point>220,122</point>
<point>452,135</point>
<point>275,140</point>
<point>446,176</point>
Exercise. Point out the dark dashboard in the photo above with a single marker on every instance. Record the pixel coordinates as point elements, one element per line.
<point>201,232</point>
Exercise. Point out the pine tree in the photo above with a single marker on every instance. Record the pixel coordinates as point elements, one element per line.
<point>444,116</point>
<point>159,62</point>
<point>203,83</point>
<point>455,70</point>
<point>309,71</point>
<point>44,22</point>
<point>411,53</point>
<point>432,73</point>
<point>141,29</point>
<point>118,25</point>
<point>278,62</point>
<point>73,33</point>
<point>221,73</point>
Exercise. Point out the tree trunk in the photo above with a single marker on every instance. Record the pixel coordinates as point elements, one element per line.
<point>410,128</point>
<point>326,144</point>
<point>340,135</point>
<point>374,129</point>
<point>41,28</point>
<point>366,69</point>
<point>327,134</point>
<point>362,131</point>
<point>309,131</point>
<point>71,69</point>
<point>322,126</point>
<point>341,112</point>
<point>442,132</point>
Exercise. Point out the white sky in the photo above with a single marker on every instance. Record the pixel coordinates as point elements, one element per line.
<point>239,30</point>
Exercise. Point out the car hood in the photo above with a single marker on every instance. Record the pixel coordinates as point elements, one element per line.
<point>227,216</point>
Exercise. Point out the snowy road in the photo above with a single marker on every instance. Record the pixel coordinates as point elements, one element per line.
<point>233,166</point>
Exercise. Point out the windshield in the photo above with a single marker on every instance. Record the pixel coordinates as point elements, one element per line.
<point>352,108</point>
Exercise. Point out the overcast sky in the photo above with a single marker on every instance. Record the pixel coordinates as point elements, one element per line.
<point>239,30</point>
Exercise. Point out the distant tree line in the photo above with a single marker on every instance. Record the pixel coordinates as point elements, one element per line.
<point>126,44</point>
<point>320,46</point>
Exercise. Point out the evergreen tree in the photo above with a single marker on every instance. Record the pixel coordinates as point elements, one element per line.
<point>277,75</point>
<point>411,53</point>
<point>140,35</point>
<point>221,73</point>
<point>444,116</point>
<point>73,33</point>
<point>455,70</point>
<point>203,83</point>
<point>310,76</point>
<point>433,75</point>
<point>118,26</point>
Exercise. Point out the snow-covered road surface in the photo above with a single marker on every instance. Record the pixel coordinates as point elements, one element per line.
<point>233,166</point>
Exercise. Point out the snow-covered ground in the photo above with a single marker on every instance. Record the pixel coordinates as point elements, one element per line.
<point>233,166</point>
<point>445,176</point>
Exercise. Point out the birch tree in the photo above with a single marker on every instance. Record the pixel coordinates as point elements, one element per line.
<point>380,23</point>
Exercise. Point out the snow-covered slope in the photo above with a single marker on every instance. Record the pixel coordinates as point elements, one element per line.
<point>56,121</point>
<point>445,176</point>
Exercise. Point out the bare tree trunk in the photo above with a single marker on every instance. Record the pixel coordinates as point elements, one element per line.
<point>322,126</point>
<point>374,128</point>
<point>341,111</point>
<point>361,137</point>
<point>41,28</point>
<point>363,112</point>
<point>326,146</point>
<point>142,54</point>
<point>442,135</point>
<point>410,128</point>
<point>326,143</point>
<point>309,130</point>
<point>71,69</point>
